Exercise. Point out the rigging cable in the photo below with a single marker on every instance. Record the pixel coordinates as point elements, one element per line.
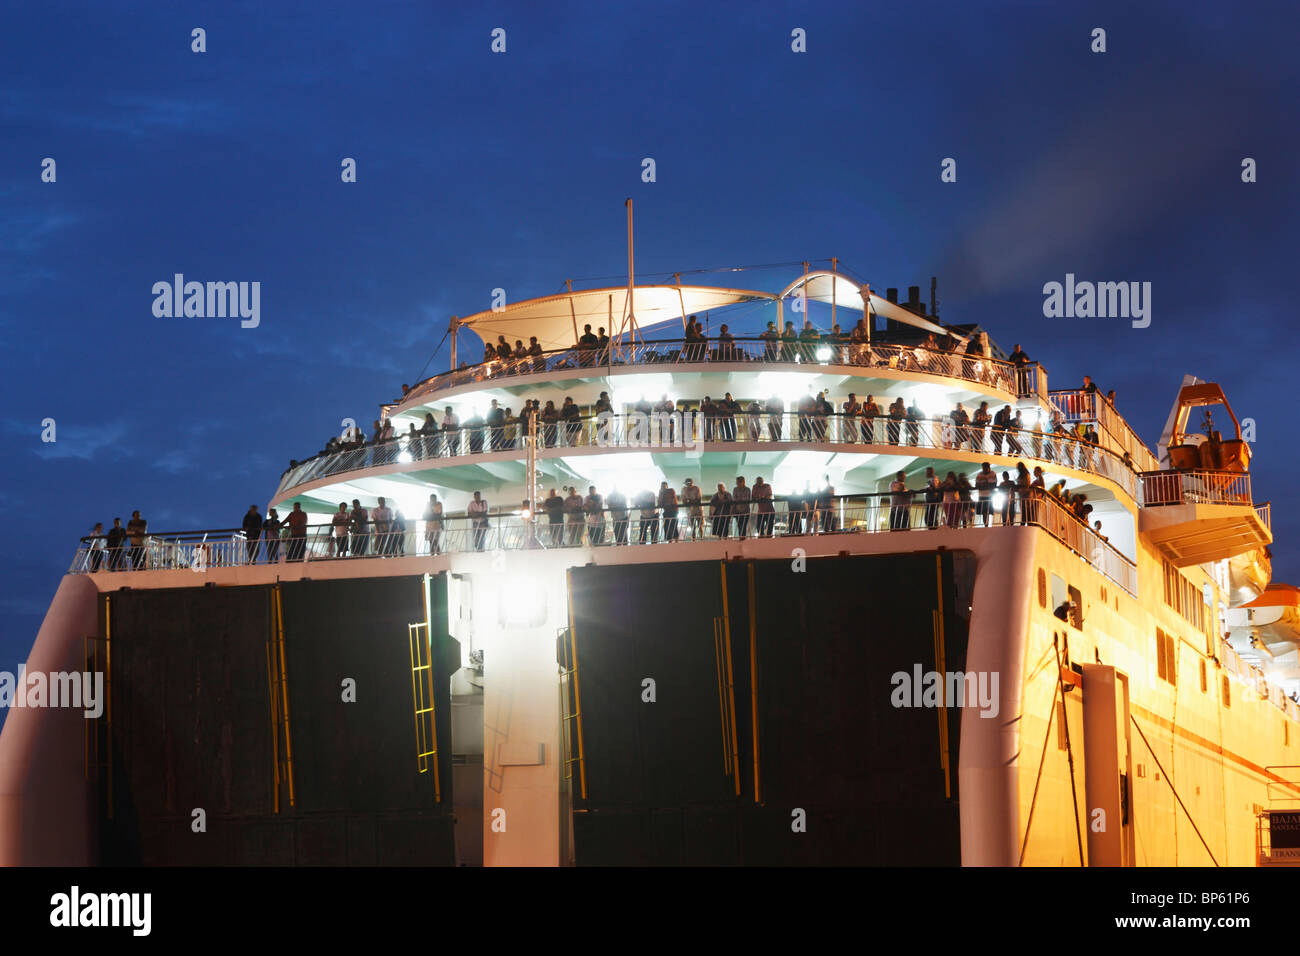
<point>1069,752</point>
<point>1051,715</point>
<point>1169,781</point>
<point>420,378</point>
<point>687,272</point>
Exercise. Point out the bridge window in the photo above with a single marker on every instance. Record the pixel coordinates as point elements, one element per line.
<point>1227,692</point>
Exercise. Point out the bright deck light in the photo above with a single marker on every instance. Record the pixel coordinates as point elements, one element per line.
<point>522,604</point>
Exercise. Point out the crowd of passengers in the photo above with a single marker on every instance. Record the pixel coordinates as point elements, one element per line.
<point>810,345</point>
<point>852,347</point>
<point>978,429</point>
<point>670,514</point>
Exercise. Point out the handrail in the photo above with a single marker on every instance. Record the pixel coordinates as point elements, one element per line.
<point>1023,382</point>
<point>1083,405</point>
<point>690,430</point>
<point>1195,487</point>
<point>508,530</point>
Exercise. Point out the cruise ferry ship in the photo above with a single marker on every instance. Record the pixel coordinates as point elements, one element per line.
<point>847,665</point>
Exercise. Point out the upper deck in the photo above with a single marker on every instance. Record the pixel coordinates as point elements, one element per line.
<point>752,368</point>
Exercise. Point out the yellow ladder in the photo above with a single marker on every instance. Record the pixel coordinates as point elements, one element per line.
<point>569,679</point>
<point>426,725</point>
<point>278,682</point>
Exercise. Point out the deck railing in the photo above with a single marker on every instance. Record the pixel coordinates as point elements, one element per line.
<point>1265,513</point>
<point>1080,405</point>
<point>690,431</point>
<point>640,523</point>
<point>1195,487</point>
<point>1023,382</point>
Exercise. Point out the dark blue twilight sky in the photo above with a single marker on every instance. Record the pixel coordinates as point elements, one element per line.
<point>478,170</point>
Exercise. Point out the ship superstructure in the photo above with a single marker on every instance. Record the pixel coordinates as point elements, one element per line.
<point>855,666</point>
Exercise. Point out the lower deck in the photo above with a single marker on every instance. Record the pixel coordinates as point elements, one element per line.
<point>758,701</point>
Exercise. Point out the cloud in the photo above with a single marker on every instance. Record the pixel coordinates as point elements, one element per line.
<point>134,114</point>
<point>28,232</point>
<point>1109,174</point>
<point>81,442</point>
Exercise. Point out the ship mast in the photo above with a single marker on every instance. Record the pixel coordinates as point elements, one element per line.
<point>631,309</point>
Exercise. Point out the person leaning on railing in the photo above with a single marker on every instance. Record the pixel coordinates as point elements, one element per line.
<point>593,507</point>
<point>381,516</point>
<point>900,502</point>
<point>433,524</point>
<point>1024,490</point>
<point>897,412</point>
<point>648,516</point>
<point>617,503</point>
<point>477,510</point>
<point>726,351</point>
<point>252,532</point>
<point>789,343</point>
<point>720,512</point>
<point>359,527</point>
<point>95,550</point>
<point>549,417</point>
<point>137,529</point>
<point>573,517</point>
<point>696,345</point>
<point>667,501</point>
<point>1008,488</point>
<point>429,437</point>
<point>775,417</point>
<point>297,521</point>
<point>765,512</point>
<point>115,538</point>
<point>914,418</point>
<point>339,524</point>
<point>553,505</point>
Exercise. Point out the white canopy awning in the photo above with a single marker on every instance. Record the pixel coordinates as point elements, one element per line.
<point>844,293</point>
<point>557,320</point>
